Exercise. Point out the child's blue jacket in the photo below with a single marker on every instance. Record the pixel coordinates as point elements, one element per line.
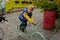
<point>21,16</point>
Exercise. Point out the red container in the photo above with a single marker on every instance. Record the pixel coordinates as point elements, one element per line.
<point>49,19</point>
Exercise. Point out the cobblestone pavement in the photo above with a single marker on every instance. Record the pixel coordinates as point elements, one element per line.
<point>10,27</point>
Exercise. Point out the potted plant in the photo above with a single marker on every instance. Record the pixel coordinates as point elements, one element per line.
<point>58,17</point>
<point>50,10</point>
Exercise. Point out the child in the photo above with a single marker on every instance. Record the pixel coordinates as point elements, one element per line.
<point>25,16</point>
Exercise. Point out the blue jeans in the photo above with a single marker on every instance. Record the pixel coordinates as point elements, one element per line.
<point>23,25</point>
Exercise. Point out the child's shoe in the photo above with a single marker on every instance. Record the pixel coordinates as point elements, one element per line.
<point>23,29</point>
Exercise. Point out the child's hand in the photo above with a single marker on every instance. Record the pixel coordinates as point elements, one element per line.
<point>34,23</point>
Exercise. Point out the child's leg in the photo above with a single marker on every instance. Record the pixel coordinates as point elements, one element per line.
<point>23,25</point>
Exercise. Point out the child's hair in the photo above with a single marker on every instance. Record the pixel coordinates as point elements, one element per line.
<point>31,6</point>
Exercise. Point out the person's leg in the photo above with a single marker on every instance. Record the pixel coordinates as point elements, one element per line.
<point>4,11</point>
<point>0,19</point>
<point>3,18</point>
<point>23,26</point>
<point>0,15</point>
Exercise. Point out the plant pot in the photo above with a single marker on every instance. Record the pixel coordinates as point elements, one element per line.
<point>49,19</point>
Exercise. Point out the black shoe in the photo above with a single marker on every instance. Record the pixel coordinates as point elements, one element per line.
<point>23,29</point>
<point>0,39</point>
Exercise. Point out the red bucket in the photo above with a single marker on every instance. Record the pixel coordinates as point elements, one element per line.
<point>49,19</point>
